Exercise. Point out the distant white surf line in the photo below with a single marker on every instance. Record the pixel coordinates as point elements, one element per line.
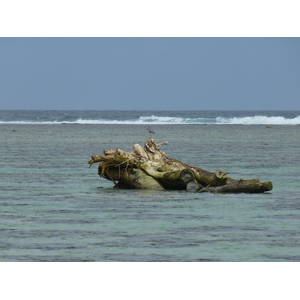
<point>144,120</point>
<point>258,120</point>
<point>156,120</point>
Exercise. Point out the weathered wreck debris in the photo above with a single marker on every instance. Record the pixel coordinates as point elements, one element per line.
<point>150,168</point>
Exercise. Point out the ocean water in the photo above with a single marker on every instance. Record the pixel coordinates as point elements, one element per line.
<point>55,208</point>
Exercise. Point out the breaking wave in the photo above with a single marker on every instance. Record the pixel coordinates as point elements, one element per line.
<point>259,120</point>
<point>161,120</point>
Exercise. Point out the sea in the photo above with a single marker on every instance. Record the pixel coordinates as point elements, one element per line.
<point>54,208</point>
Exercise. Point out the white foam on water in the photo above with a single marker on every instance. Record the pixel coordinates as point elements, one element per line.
<point>157,120</point>
<point>259,120</point>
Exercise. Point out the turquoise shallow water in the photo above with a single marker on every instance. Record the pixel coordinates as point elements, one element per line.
<point>55,208</point>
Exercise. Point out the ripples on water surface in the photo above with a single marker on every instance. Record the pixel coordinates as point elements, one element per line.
<point>54,208</point>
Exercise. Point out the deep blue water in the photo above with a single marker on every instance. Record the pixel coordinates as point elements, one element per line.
<point>135,117</point>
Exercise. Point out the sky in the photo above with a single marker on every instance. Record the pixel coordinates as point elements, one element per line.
<point>150,73</point>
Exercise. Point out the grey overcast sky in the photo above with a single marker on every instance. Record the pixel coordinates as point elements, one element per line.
<point>150,73</point>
